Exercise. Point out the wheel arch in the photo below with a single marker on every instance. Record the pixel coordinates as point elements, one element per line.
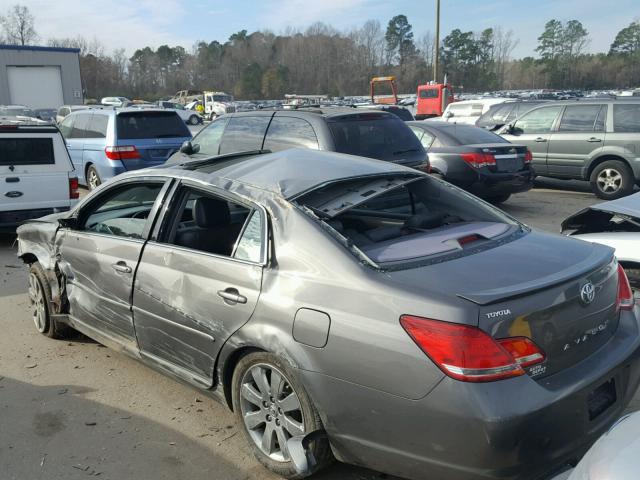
<point>229,363</point>
<point>604,158</point>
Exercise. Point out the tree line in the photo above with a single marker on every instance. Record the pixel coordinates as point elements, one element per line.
<point>323,60</point>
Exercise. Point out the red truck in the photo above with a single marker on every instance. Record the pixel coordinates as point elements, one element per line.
<point>432,99</point>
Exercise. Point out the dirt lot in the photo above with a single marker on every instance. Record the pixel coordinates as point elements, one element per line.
<point>74,409</point>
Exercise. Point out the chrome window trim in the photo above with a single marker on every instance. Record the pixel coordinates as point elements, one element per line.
<point>206,254</point>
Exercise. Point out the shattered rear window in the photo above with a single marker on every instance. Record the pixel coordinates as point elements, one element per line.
<point>406,220</point>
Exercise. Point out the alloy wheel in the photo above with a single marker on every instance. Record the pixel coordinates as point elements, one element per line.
<point>37,300</point>
<point>609,180</point>
<point>271,410</point>
<point>94,180</point>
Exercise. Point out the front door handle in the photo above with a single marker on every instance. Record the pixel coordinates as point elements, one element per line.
<point>594,139</point>
<point>231,295</point>
<point>122,267</point>
<point>541,139</point>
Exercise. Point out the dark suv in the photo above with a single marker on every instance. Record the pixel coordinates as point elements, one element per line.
<point>367,133</point>
<point>594,140</point>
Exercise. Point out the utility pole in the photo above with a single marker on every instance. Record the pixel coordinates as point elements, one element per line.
<point>436,48</point>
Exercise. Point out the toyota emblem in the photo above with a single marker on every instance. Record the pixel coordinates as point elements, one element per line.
<point>587,293</point>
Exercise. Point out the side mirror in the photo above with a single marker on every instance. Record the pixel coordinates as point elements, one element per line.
<point>69,222</point>
<point>506,129</point>
<point>448,114</point>
<point>189,148</point>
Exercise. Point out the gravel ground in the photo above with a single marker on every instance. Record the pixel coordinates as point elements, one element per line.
<point>73,409</point>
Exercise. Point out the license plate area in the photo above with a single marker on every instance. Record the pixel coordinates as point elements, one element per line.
<point>509,164</point>
<point>158,152</point>
<point>601,399</point>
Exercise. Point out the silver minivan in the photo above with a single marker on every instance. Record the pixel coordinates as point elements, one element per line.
<point>594,140</point>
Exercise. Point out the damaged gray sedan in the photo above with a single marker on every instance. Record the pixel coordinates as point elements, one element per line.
<point>350,308</point>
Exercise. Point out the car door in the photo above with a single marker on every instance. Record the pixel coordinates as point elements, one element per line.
<point>198,280</point>
<point>533,130</point>
<point>580,135</point>
<point>75,133</point>
<point>100,254</point>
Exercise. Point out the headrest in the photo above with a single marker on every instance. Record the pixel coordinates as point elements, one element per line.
<point>211,212</point>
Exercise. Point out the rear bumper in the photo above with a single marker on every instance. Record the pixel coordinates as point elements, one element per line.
<point>518,428</point>
<point>12,219</point>
<point>493,184</point>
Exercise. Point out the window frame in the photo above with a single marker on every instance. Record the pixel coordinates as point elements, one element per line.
<point>78,116</point>
<point>71,121</point>
<point>224,121</point>
<point>91,124</point>
<point>614,106</point>
<point>593,124</point>
<point>238,119</point>
<point>285,118</point>
<point>80,212</point>
<point>554,124</point>
<point>173,202</point>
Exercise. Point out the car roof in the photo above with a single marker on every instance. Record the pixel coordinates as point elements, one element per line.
<point>288,173</point>
<point>107,110</point>
<point>326,112</point>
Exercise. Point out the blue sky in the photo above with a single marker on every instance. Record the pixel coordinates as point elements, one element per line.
<point>133,24</point>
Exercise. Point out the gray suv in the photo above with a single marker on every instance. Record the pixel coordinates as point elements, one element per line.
<point>594,140</point>
<point>367,133</point>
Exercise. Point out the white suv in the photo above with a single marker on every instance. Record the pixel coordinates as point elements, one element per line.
<point>36,174</point>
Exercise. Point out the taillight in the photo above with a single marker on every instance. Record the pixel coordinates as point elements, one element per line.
<point>74,191</point>
<point>478,160</point>
<point>523,350</point>
<point>625,300</point>
<point>528,157</point>
<point>122,153</point>
<point>469,354</point>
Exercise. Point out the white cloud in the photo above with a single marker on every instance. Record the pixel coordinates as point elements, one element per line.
<point>115,23</point>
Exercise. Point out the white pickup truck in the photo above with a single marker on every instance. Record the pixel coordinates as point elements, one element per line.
<point>36,174</point>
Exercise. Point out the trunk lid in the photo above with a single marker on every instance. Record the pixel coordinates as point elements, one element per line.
<point>156,134</point>
<point>532,287</point>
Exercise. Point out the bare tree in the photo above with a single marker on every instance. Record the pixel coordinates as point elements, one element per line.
<point>503,45</point>
<point>18,26</point>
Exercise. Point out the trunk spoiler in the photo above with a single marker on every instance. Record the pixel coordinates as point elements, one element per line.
<point>487,297</point>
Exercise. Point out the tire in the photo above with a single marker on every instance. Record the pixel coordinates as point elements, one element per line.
<point>93,178</point>
<point>612,179</point>
<point>193,120</point>
<point>257,402</point>
<point>499,198</point>
<point>40,300</point>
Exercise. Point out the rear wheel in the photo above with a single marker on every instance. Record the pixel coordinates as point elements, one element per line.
<point>40,300</point>
<point>193,120</point>
<point>612,179</point>
<point>93,178</point>
<point>272,407</point>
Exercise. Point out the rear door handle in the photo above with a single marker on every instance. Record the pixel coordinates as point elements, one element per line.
<point>540,139</point>
<point>122,267</point>
<point>594,139</point>
<point>232,295</point>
